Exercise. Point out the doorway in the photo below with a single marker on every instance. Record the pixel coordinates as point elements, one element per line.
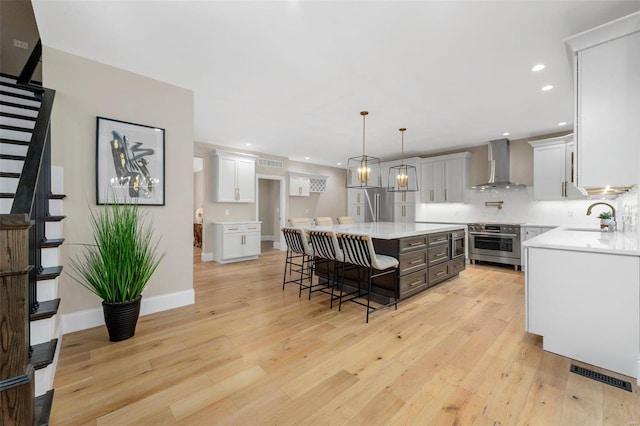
<point>270,208</point>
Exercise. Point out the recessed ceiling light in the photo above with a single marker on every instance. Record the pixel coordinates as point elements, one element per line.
<point>562,123</point>
<point>538,67</point>
<point>248,144</point>
<point>547,87</point>
<point>339,164</point>
<point>307,158</point>
<point>505,134</point>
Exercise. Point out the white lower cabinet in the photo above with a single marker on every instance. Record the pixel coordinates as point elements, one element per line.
<point>585,306</point>
<point>526,233</point>
<point>236,241</point>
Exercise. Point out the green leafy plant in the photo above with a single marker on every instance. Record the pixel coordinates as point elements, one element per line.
<point>605,215</point>
<point>123,257</point>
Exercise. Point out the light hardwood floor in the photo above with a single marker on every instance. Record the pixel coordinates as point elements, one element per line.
<point>248,353</point>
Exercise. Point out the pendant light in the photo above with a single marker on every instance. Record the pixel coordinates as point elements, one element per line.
<point>364,171</point>
<point>403,178</point>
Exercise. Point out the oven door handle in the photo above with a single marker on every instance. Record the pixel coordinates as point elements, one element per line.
<point>490,234</point>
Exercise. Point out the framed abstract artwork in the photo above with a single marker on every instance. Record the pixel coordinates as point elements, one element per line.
<point>129,163</point>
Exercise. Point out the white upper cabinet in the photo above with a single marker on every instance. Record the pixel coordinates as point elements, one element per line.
<point>554,173</point>
<point>299,186</point>
<point>607,99</point>
<point>234,177</point>
<point>444,179</point>
<point>303,184</point>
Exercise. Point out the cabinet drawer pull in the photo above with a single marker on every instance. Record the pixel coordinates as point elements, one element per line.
<point>440,273</point>
<point>415,262</point>
<point>415,283</point>
<point>417,243</point>
<point>441,254</point>
<point>232,229</point>
<point>252,227</point>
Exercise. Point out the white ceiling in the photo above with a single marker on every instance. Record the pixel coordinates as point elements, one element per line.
<point>291,77</point>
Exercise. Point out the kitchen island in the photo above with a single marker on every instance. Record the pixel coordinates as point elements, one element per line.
<point>582,295</point>
<point>428,254</point>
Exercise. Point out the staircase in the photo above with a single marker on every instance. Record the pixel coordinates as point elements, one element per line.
<point>30,230</point>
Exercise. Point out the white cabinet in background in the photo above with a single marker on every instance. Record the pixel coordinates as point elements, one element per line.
<point>607,89</point>
<point>299,186</point>
<point>554,172</point>
<point>234,176</point>
<point>444,179</point>
<point>357,204</point>
<point>236,241</point>
<point>526,233</point>
<point>303,184</point>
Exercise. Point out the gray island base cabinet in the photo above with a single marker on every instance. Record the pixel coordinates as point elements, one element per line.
<point>424,253</point>
<point>583,297</point>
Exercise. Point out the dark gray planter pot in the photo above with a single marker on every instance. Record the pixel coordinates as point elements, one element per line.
<point>121,319</point>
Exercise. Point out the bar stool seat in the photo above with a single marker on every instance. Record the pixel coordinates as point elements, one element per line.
<point>359,250</point>
<point>299,259</point>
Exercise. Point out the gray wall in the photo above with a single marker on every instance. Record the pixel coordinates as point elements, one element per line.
<point>86,89</point>
<point>17,23</point>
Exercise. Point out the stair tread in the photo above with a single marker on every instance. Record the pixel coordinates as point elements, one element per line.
<point>15,105</point>
<point>18,116</point>
<point>43,354</point>
<point>16,128</point>
<point>12,157</point>
<point>14,141</point>
<point>54,218</point>
<point>45,310</point>
<point>10,175</point>
<point>43,408</point>
<point>49,273</point>
<point>52,242</point>
<point>51,196</point>
<point>19,95</point>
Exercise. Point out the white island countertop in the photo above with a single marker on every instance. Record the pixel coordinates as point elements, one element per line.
<point>388,230</point>
<point>588,240</point>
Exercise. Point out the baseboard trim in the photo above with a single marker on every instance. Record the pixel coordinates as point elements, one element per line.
<point>82,320</point>
<point>206,257</point>
<point>279,246</point>
<point>266,238</point>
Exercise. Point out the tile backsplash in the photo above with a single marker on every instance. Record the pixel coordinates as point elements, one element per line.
<point>519,206</point>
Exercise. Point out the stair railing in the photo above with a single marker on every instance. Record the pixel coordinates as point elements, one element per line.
<point>22,233</point>
<point>34,185</point>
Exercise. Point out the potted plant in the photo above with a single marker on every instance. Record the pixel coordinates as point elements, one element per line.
<point>606,219</point>
<point>118,265</point>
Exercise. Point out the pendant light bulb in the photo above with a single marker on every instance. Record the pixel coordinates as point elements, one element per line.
<point>402,179</point>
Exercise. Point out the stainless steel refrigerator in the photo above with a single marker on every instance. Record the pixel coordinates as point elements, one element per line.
<point>379,205</point>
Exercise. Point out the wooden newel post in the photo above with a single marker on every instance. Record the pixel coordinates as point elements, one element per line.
<point>17,398</point>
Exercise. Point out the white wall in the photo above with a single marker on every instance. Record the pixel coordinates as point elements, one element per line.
<point>86,89</point>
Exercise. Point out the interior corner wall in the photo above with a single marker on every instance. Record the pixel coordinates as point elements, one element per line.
<point>84,90</point>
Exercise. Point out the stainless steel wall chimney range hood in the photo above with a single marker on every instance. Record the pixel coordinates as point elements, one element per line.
<point>499,168</point>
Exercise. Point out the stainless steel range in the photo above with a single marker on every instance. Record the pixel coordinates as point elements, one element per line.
<point>495,242</point>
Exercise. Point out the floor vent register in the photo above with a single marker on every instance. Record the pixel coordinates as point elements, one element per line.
<point>601,378</point>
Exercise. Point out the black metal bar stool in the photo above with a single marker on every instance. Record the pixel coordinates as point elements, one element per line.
<point>299,259</point>
<point>326,251</point>
<point>359,250</point>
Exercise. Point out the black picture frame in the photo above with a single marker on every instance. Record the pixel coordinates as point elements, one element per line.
<point>129,163</point>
